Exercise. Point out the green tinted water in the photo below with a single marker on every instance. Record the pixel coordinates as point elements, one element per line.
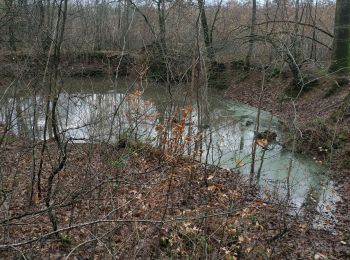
<point>93,111</point>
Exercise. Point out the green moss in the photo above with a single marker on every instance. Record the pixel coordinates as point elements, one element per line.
<point>274,73</point>
<point>65,240</point>
<point>343,136</point>
<point>7,138</point>
<point>120,162</point>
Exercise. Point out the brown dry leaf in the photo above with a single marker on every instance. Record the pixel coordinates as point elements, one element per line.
<point>210,177</point>
<point>232,231</point>
<point>212,187</point>
<point>319,256</point>
<point>245,212</point>
<point>257,224</point>
<point>239,163</point>
<point>262,142</point>
<point>159,128</point>
<point>268,252</point>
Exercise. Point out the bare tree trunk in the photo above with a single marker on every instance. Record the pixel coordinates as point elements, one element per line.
<point>257,127</point>
<point>207,39</point>
<point>124,25</point>
<point>42,35</point>
<point>98,28</point>
<point>252,33</point>
<point>22,127</point>
<point>296,46</point>
<point>10,6</point>
<point>313,51</point>
<point>341,43</point>
<point>62,145</point>
<point>161,22</point>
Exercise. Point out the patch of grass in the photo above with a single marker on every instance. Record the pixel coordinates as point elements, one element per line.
<point>322,72</point>
<point>65,240</point>
<point>121,161</point>
<point>344,136</point>
<point>9,138</point>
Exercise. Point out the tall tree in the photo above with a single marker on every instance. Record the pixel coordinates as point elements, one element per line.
<point>252,32</point>
<point>208,41</point>
<point>161,22</point>
<point>341,43</point>
<point>11,8</point>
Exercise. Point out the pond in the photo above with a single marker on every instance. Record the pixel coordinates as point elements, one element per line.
<point>97,110</point>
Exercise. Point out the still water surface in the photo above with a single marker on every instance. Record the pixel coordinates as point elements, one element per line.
<point>87,113</point>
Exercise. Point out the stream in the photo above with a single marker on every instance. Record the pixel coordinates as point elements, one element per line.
<point>86,112</point>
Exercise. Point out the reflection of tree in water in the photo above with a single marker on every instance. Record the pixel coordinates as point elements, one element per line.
<point>20,118</point>
<point>241,141</point>
<point>312,199</point>
<point>317,193</point>
<point>319,204</point>
<point>226,140</point>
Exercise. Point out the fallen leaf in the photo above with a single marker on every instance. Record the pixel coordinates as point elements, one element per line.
<point>239,163</point>
<point>319,256</point>
<point>262,142</point>
<point>249,249</point>
<point>212,187</point>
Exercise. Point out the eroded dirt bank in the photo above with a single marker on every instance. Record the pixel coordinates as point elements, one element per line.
<point>322,117</point>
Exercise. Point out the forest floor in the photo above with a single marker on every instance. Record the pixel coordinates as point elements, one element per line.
<point>134,202</point>
<point>317,117</point>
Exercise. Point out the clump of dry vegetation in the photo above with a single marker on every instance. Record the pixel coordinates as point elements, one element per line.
<point>140,202</point>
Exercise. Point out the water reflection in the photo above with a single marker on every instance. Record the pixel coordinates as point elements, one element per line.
<point>86,116</point>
